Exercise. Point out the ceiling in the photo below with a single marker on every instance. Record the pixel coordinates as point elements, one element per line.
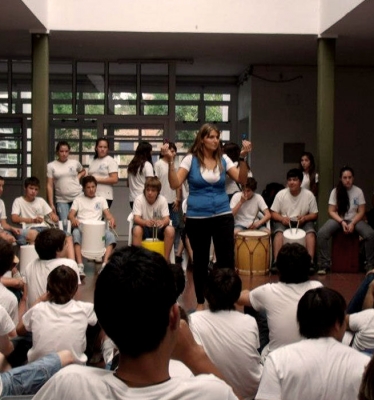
<point>212,54</point>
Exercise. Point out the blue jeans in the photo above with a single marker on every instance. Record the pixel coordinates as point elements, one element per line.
<point>175,217</point>
<point>29,378</point>
<point>63,210</point>
<point>21,238</point>
<point>355,305</point>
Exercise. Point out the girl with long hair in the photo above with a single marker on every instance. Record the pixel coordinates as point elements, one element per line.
<point>310,176</point>
<point>208,210</point>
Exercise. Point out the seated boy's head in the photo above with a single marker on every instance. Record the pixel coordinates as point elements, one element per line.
<point>249,187</point>
<point>32,181</point>
<point>32,186</point>
<point>152,189</point>
<point>6,256</point>
<point>180,280</point>
<point>293,263</point>
<point>62,284</point>
<point>49,242</point>
<point>89,184</point>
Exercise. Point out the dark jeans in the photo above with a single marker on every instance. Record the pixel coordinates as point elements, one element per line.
<point>355,305</point>
<point>200,231</point>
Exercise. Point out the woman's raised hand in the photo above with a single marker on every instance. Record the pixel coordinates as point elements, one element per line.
<point>246,148</point>
<point>165,151</point>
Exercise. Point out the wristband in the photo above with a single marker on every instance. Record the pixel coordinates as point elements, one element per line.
<point>241,158</point>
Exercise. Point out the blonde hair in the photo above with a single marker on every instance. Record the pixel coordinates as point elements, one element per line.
<point>197,148</point>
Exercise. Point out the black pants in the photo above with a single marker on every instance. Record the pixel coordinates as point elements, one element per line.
<point>200,231</point>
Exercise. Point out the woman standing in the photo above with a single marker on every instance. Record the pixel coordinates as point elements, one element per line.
<point>63,176</point>
<point>347,211</point>
<point>310,176</point>
<point>208,209</point>
<point>104,169</point>
<point>139,169</point>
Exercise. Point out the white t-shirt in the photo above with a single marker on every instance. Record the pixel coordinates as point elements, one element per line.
<point>9,301</point>
<point>36,274</point>
<point>2,210</point>
<point>58,327</point>
<point>306,180</point>
<point>291,206</point>
<point>102,167</point>
<point>31,209</point>
<point>313,369</point>
<point>65,179</point>
<point>136,182</point>
<point>209,175</point>
<point>98,384</point>
<point>248,211</point>
<point>161,171</point>
<point>279,301</point>
<point>6,323</point>
<point>356,198</point>
<point>231,340</point>
<point>363,324</point>
<point>89,208</point>
<point>159,209</point>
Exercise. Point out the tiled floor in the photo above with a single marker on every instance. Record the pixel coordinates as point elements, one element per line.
<point>346,284</point>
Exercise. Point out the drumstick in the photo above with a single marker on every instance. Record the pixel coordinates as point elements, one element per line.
<point>114,231</point>
<point>297,226</point>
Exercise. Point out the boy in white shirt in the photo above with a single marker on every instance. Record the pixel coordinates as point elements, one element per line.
<point>151,217</point>
<point>31,210</point>
<point>91,207</point>
<point>58,322</point>
<point>7,232</point>
<point>245,206</point>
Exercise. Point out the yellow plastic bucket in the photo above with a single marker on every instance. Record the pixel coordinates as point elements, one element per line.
<point>154,245</point>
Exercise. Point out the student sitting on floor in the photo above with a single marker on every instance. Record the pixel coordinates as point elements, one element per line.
<point>318,367</point>
<point>151,217</point>
<point>58,322</point>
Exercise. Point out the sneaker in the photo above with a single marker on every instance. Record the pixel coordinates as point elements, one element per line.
<point>322,271</point>
<point>312,269</point>
<point>81,270</point>
<point>178,259</point>
<point>274,269</point>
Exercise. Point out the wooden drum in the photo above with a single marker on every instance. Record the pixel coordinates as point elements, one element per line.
<point>252,252</point>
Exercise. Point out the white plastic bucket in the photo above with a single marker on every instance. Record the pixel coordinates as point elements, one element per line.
<point>27,254</point>
<point>93,239</point>
<point>294,236</point>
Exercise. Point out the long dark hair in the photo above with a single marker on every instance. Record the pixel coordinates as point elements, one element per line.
<point>142,154</point>
<point>311,172</point>
<point>342,199</point>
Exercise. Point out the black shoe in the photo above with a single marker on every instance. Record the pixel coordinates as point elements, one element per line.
<point>178,260</point>
<point>312,269</point>
<point>274,269</point>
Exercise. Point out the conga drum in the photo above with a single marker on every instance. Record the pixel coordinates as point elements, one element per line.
<point>154,245</point>
<point>93,239</point>
<point>252,255</point>
<point>294,236</point>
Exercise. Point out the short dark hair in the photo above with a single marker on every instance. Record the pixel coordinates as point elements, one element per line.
<point>180,280</point>
<point>293,263</point>
<point>88,179</point>
<point>250,184</point>
<point>318,311</point>
<point>32,181</point>
<point>6,256</point>
<point>172,146</point>
<point>62,284</point>
<point>295,173</point>
<point>49,242</point>
<point>223,289</point>
<point>136,287</point>
<point>62,143</point>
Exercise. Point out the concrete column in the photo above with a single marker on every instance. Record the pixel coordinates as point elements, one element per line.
<point>325,123</point>
<point>40,102</point>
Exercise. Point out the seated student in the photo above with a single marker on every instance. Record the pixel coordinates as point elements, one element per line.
<point>279,300</point>
<point>58,321</point>
<point>229,337</point>
<point>151,213</point>
<point>7,299</point>
<point>7,332</point>
<point>28,379</point>
<point>91,207</point>
<point>138,287</point>
<point>347,213</point>
<point>318,367</point>
<point>245,206</point>
<point>31,210</point>
<point>7,232</point>
<point>51,246</point>
<point>294,205</point>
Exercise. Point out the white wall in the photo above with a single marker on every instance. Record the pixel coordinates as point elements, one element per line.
<point>235,16</point>
<point>287,113</point>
